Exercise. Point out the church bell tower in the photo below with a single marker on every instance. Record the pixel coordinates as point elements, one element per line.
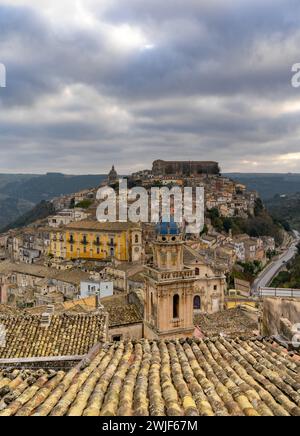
<point>169,287</point>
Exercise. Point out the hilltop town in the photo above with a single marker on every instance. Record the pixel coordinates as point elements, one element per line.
<point>180,306</point>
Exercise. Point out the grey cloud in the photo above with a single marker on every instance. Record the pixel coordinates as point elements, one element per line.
<point>237,52</point>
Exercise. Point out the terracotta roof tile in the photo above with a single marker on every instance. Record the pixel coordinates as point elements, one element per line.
<point>99,226</point>
<point>174,378</point>
<point>8,310</point>
<point>67,335</point>
<point>231,322</point>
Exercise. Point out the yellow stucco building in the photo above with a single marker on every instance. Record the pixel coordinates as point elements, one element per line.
<point>98,241</point>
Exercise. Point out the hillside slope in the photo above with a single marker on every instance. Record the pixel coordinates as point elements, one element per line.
<point>286,209</point>
<point>11,209</point>
<point>5,179</point>
<point>268,185</point>
<point>39,212</point>
<point>49,186</point>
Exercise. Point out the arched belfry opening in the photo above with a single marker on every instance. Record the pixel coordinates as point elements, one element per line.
<point>197,303</point>
<point>176,308</point>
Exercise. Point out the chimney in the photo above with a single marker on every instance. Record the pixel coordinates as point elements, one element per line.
<point>50,309</point>
<point>45,320</point>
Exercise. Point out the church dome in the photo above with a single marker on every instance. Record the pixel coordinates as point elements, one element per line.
<point>168,228</point>
<point>113,175</point>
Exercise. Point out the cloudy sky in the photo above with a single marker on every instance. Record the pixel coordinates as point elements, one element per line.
<point>96,82</point>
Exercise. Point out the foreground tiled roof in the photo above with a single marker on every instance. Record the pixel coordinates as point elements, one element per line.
<point>17,387</point>
<point>187,377</point>
<point>67,335</point>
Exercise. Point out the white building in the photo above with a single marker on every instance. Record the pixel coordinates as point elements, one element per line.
<point>28,255</point>
<point>240,252</point>
<point>66,217</point>
<point>102,288</point>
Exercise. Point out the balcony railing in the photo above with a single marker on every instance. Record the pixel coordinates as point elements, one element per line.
<point>176,322</point>
<point>187,274</point>
<point>84,242</point>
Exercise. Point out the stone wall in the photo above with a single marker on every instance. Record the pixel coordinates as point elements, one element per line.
<point>182,168</point>
<point>275,310</point>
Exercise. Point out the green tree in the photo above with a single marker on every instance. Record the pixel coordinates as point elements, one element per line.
<point>205,230</point>
<point>259,207</point>
<point>84,204</point>
<point>227,224</point>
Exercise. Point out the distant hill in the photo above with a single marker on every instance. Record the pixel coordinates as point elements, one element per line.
<point>49,186</point>
<point>269,185</point>
<point>20,193</point>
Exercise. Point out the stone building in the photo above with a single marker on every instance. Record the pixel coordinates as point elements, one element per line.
<point>84,195</point>
<point>125,320</point>
<point>18,278</point>
<point>120,274</point>
<point>93,240</point>
<point>185,168</point>
<point>66,217</point>
<point>174,291</point>
<point>210,285</point>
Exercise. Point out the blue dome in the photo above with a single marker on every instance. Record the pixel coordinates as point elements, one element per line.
<point>168,228</point>
<point>173,228</point>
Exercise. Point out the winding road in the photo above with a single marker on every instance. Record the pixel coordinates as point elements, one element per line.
<point>267,275</point>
